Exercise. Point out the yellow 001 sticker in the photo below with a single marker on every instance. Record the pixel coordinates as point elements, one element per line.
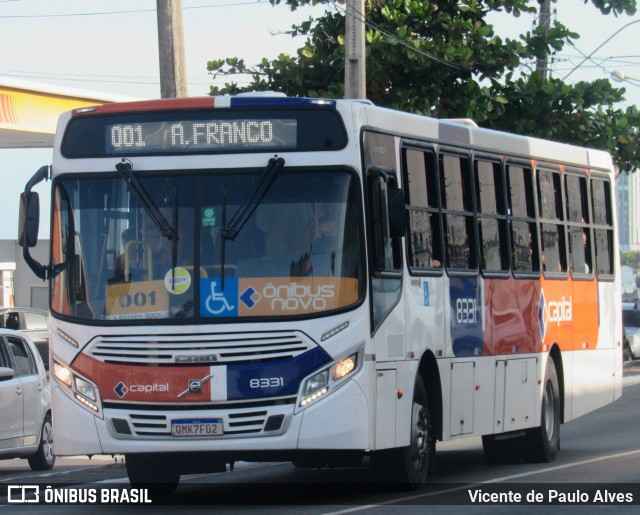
<point>145,299</point>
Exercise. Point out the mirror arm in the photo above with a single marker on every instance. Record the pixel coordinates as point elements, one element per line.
<point>41,175</point>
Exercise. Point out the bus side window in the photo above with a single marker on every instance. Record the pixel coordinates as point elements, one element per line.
<point>524,235</point>
<point>386,244</point>
<point>552,231</point>
<point>492,216</point>
<point>424,239</point>
<point>457,207</point>
<point>602,226</point>
<point>578,229</point>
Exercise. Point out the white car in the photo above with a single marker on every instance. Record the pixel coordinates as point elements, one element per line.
<point>25,402</point>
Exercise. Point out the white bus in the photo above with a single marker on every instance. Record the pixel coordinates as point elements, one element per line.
<point>321,281</point>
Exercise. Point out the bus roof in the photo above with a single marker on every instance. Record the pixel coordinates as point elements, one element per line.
<point>404,124</point>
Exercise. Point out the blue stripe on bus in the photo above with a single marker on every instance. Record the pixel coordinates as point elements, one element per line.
<point>272,378</point>
<point>465,301</point>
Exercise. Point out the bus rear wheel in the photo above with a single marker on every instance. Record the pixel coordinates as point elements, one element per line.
<point>538,445</point>
<point>408,466</point>
<point>543,443</point>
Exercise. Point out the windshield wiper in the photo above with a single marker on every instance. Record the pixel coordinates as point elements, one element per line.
<point>231,229</point>
<point>169,231</point>
<point>125,169</point>
<point>244,212</point>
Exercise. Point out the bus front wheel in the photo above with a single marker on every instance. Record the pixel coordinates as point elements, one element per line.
<point>408,466</point>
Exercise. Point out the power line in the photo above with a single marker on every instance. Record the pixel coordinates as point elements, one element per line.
<point>588,57</point>
<point>105,13</point>
<point>119,79</point>
<point>58,74</point>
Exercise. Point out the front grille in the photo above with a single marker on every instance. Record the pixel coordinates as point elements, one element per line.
<point>239,422</point>
<point>198,348</point>
<point>149,407</point>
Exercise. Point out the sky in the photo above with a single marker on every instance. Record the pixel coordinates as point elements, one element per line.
<point>112,47</point>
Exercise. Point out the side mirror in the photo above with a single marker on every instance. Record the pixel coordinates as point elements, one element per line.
<point>29,219</point>
<point>6,373</point>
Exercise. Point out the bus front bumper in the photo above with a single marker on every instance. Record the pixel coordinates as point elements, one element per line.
<point>339,421</point>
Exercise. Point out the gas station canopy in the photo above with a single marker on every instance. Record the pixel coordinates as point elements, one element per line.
<point>29,111</point>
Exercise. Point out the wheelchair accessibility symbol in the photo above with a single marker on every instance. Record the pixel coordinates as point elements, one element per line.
<point>219,303</point>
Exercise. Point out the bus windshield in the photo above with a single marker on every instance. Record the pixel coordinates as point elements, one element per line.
<point>297,254</point>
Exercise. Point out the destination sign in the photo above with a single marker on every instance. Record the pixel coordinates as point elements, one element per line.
<point>200,135</point>
<point>203,131</point>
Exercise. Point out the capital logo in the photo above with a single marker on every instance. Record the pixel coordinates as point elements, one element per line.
<point>554,311</point>
<point>121,389</point>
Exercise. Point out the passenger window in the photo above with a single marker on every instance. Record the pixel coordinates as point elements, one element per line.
<point>22,357</point>
<point>524,235</point>
<point>10,321</point>
<point>4,358</point>
<point>579,232</point>
<point>425,250</point>
<point>456,195</point>
<point>492,219</point>
<point>602,226</point>
<point>552,231</point>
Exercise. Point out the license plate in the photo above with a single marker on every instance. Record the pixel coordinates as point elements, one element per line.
<point>196,427</point>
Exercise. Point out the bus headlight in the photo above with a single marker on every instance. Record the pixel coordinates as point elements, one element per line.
<point>85,388</point>
<point>62,374</point>
<point>316,383</point>
<point>83,391</point>
<point>322,382</point>
<point>344,367</point>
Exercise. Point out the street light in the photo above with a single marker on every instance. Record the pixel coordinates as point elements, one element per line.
<point>619,76</point>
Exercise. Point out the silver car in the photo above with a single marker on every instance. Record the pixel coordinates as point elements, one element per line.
<point>631,323</point>
<point>31,321</point>
<point>25,402</point>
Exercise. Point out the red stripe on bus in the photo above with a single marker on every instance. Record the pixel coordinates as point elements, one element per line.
<point>165,104</point>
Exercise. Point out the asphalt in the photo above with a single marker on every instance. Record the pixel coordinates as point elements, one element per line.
<point>631,367</point>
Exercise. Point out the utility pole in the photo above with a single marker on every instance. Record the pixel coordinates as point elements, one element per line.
<point>542,65</point>
<point>173,77</point>
<point>354,58</point>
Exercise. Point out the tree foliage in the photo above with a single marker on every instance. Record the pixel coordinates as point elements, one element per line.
<point>442,58</point>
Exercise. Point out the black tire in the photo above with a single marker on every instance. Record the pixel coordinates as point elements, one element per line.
<point>45,457</point>
<point>156,472</point>
<point>407,467</point>
<point>543,443</point>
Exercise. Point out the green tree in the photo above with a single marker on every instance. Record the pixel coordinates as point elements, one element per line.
<point>442,58</point>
